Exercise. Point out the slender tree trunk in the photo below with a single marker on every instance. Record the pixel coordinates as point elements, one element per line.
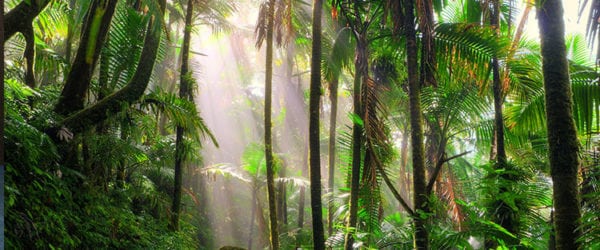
<point>281,197</point>
<point>333,95</point>
<point>2,122</point>
<point>252,216</point>
<point>357,138</point>
<point>302,195</point>
<point>274,232</point>
<point>501,213</point>
<point>313,130</point>
<point>416,124</point>
<point>562,134</point>
<point>184,92</point>
<point>29,55</point>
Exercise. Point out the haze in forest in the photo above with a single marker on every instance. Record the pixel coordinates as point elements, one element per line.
<point>141,124</point>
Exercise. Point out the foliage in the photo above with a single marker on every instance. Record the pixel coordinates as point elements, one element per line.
<point>47,212</point>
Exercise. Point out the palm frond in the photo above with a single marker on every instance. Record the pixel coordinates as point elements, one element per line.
<point>182,112</point>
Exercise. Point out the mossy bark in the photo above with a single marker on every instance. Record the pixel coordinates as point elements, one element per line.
<point>271,196</point>
<point>501,213</point>
<point>416,124</point>
<point>360,64</point>
<point>562,134</point>
<point>333,96</point>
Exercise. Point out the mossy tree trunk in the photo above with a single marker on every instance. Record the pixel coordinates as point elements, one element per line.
<point>333,96</point>
<point>562,134</point>
<point>357,135</point>
<point>2,120</point>
<point>416,124</point>
<point>274,232</point>
<point>501,213</point>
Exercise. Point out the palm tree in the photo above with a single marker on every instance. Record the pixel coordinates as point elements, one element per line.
<point>416,124</point>
<point>266,33</point>
<point>501,213</point>
<point>185,82</point>
<point>313,130</point>
<point>562,134</point>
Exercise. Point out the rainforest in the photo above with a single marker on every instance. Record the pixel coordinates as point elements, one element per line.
<point>296,124</point>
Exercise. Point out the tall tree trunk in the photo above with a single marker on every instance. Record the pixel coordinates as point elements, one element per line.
<point>252,216</point>
<point>501,212</point>
<point>313,129</point>
<point>274,232</point>
<point>333,96</point>
<point>185,93</point>
<point>29,55</point>
<point>302,195</point>
<point>2,122</point>
<point>562,134</point>
<point>357,136</point>
<point>416,124</point>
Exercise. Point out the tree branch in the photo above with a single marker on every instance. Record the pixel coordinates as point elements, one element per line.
<point>438,168</point>
<point>20,17</point>
<point>387,181</point>
<point>394,191</point>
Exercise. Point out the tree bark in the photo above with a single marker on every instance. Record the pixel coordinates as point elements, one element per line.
<point>501,213</point>
<point>2,170</point>
<point>274,232</point>
<point>313,130</point>
<point>416,124</point>
<point>94,32</point>
<point>184,93</point>
<point>333,96</point>
<point>29,55</point>
<point>357,137</point>
<point>562,134</point>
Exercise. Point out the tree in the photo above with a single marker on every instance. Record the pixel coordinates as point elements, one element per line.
<point>2,169</point>
<point>266,33</point>
<point>313,130</point>
<point>562,134</point>
<point>94,33</point>
<point>185,82</point>
<point>416,124</point>
<point>500,212</point>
